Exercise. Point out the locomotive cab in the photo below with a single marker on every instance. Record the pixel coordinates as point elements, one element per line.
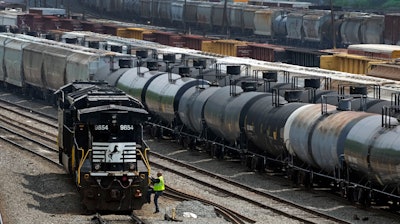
<point>101,145</point>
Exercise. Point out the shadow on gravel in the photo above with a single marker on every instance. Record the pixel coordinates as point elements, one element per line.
<point>54,193</point>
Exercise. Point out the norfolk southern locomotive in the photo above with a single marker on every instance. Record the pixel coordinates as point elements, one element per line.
<point>101,145</point>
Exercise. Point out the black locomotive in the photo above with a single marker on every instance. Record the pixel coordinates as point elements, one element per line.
<point>101,145</point>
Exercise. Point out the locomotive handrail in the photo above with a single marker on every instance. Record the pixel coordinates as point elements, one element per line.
<point>83,158</point>
<point>145,160</point>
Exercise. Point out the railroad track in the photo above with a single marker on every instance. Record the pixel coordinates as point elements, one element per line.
<point>13,129</point>
<point>98,219</point>
<point>265,200</point>
<point>38,126</point>
<point>228,214</point>
<point>261,199</point>
<point>24,137</point>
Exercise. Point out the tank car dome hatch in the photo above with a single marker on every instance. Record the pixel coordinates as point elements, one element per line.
<point>344,104</point>
<point>249,86</point>
<point>169,58</point>
<point>200,63</point>
<point>152,65</point>
<point>233,69</point>
<point>271,76</point>
<point>125,63</point>
<point>314,83</point>
<point>358,90</point>
<point>142,53</point>
<point>184,71</point>
<point>293,95</point>
<point>71,40</point>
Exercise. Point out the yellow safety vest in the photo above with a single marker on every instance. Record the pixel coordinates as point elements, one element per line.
<point>160,185</point>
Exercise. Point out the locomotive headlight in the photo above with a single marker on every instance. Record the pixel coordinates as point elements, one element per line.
<point>97,166</point>
<point>114,119</point>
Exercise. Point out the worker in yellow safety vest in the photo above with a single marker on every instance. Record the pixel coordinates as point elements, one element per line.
<point>158,188</point>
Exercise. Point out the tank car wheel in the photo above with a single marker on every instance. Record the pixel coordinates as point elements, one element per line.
<point>350,194</point>
<point>213,149</point>
<point>246,161</point>
<point>207,146</point>
<point>186,142</point>
<point>293,177</point>
<point>154,132</point>
<point>219,152</point>
<point>395,205</point>
<point>257,164</point>
<point>342,189</point>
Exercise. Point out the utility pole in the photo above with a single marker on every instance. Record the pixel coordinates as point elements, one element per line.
<point>225,17</point>
<point>333,26</point>
<point>184,17</point>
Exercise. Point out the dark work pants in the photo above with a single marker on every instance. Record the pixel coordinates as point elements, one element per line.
<point>157,194</point>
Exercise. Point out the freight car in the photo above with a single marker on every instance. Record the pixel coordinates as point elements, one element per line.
<point>38,67</point>
<point>101,146</point>
<point>261,127</point>
<point>276,22</point>
<point>264,130</point>
<point>310,28</point>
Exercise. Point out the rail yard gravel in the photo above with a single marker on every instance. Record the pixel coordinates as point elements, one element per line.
<point>317,199</point>
<point>34,191</point>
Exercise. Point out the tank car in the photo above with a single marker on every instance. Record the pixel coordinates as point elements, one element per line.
<point>101,146</point>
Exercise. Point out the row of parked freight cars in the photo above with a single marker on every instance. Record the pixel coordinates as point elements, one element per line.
<point>293,24</point>
<point>361,159</point>
<point>370,59</point>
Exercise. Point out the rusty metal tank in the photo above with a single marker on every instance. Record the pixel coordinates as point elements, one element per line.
<point>299,129</point>
<point>329,136</point>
